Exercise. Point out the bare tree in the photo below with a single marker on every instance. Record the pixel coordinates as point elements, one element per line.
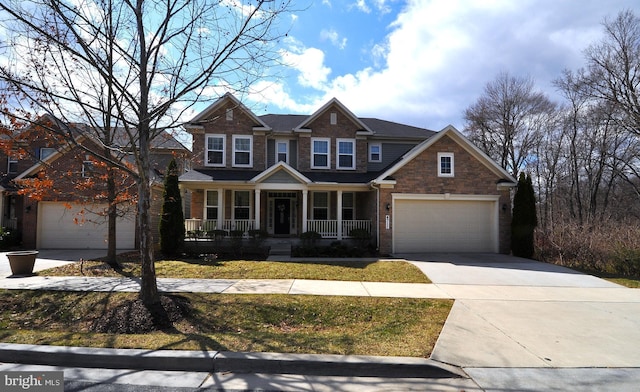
<point>507,119</point>
<point>614,66</point>
<point>135,66</point>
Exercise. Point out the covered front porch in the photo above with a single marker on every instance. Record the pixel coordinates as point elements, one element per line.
<point>334,214</point>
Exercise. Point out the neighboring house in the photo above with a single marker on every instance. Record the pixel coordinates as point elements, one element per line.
<point>71,213</point>
<point>412,189</point>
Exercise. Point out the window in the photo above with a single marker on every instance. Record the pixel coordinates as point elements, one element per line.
<point>375,152</point>
<point>334,118</point>
<point>45,152</point>
<point>282,151</point>
<point>445,164</point>
<point>242,154</point>
<point>87,169</point>
<point>211,205</point>
<point>12,164</point>
<point>320,153</point>
<point>229,115</point>
<point>348,206</point>
<point>320,205</point>
<point>214,153</point>
<point>346,153</point>
<point>241,206</point>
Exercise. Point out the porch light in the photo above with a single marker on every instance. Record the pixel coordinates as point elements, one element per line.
<point>388,206</point>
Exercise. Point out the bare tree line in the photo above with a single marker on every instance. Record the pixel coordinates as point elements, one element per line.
<point>584,152</point>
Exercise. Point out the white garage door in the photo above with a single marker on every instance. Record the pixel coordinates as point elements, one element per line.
<point>62,228</point>
<point>444,226</point>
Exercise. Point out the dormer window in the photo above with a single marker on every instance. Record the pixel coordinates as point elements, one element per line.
<point>320,153</point>
<point>87,169</point>
<point>445,164</point>
<point>45,152</point>
<point>242,151</point>
<point>12,164</point>
<point>282,151</point>
<point>346,153</point>
<point>375,152</point>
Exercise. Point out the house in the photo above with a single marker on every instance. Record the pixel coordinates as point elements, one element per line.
<point>412,189</point>
<point>70,212</point>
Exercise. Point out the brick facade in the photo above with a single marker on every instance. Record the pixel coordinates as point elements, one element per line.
<point>420,176</point>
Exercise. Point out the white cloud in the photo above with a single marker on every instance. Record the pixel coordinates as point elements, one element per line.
<point>309,62</point>
<point>362,6</point>
<point>439,54</point>
<point>332,36</point>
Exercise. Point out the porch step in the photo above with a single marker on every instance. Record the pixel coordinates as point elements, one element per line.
<point>280,249</point>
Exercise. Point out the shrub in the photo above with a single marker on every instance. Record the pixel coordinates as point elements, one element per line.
<point>310,238</point>
<point>172,218</point>
<point>524,219</point>
<point>607,247</point>
<point>361,237</point>
<point>8,238</point>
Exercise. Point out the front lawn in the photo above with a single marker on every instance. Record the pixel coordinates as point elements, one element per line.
<point>259,323</point>
<point>378,271</point>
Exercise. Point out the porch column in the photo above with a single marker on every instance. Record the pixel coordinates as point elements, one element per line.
<point>305,201</point>
<point>339,215</point>
<point>256,208</point>
<point>220,217</point>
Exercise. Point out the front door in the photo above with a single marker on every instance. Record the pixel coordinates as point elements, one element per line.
<point>282,216</point>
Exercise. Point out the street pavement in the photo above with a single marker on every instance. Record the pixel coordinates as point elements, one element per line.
<point>516,325</point>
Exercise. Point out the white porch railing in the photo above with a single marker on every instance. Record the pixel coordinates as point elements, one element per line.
<point>329,228</point>
<point>238,224</point>
<point>360,224</point>
<point>204,225</point>
<point>200,224</point>
<point>326,228</point>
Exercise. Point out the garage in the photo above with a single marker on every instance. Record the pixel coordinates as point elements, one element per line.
<point>445,224</point>
<point>60,227</point>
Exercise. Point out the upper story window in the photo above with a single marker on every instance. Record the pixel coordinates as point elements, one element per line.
<point>214,153</point>
<point>12,164</point>
<point>333,118</point>
<point>445,164</point>
<point>45,152</point>
<point>229,115</point>
<point>346,153</point>
<point>375,152</point>
<point>242,151</point>
<point>211,205</point>
<point>320,153</point>
<point>282,151</point>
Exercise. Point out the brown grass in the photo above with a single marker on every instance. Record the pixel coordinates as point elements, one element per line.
<point>280,323</point>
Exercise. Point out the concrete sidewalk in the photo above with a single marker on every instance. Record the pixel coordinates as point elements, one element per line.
<point>516,325</point>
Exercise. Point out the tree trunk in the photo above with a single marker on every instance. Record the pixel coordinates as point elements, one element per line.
<point>149,289</point>
<point>112,215</point>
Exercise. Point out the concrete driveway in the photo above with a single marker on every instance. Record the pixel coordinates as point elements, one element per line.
<point>518,324</point>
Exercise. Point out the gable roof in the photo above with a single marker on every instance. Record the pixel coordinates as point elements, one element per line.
<point>203,116</point>
<point>454,134</point>
<point>333,102</point>
<point>281,167</point>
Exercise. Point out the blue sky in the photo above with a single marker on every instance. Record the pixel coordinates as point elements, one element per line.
<point>423,62</point>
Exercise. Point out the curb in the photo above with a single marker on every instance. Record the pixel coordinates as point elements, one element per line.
<point>216,362</point>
